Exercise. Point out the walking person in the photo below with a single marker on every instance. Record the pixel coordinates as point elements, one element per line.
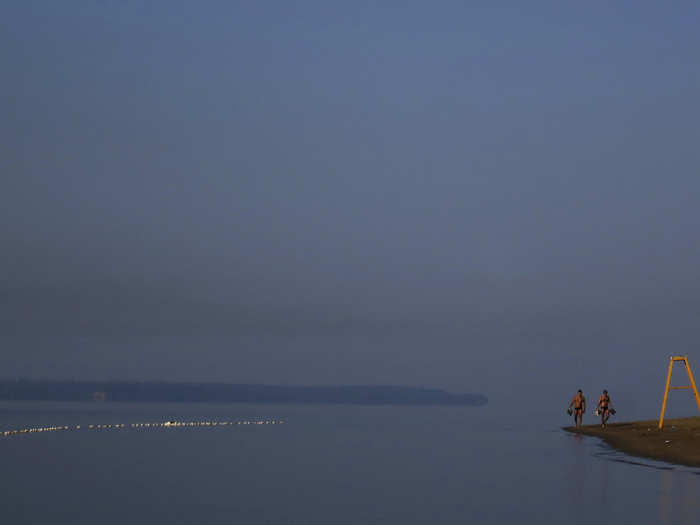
<point>604,408</point>
<point>579,405</point>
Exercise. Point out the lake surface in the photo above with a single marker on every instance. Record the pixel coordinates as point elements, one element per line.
<point>326,464</point>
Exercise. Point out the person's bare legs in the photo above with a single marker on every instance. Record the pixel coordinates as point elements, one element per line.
<point>578,417</point>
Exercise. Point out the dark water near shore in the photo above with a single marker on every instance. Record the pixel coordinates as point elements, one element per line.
<point>325,465</point>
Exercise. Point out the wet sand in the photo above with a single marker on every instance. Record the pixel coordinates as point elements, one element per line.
<point>678,442</point>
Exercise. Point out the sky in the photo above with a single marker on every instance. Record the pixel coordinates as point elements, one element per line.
<point>469,195</point>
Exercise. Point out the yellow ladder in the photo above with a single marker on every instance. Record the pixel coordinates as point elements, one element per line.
<point>684,360</point>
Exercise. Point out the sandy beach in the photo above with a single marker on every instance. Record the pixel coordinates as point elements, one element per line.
<point>678,442</point>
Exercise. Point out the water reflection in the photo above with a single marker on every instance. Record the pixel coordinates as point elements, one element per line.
<point>678,497</point>
<point>665,498</point>
<point>577,476</point>
<point>604,483</point>
<point>603,480</point>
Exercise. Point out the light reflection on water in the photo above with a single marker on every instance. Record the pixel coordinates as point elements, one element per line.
<point>678,497</point>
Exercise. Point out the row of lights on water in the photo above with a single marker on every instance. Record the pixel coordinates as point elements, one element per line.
<point>166,424</point>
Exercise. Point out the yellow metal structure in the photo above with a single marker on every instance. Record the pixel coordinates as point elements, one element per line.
<point>692,385</point>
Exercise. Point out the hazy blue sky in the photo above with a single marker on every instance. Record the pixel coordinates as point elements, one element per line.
<point>449,193</point>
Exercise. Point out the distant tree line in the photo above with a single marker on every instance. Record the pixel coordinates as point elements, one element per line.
<point>151,391</point>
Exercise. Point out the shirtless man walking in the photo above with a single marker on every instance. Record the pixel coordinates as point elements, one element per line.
<point>604,408</point>
<point>579,404</point>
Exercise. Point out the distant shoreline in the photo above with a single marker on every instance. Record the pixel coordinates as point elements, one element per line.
<point>153,391</point>
<point>678,442</point>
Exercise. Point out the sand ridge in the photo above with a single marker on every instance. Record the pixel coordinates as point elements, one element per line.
<point>678,442</point>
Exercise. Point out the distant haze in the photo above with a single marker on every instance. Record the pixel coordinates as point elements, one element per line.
<point>460,196</point>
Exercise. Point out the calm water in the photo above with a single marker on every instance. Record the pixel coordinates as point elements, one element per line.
<point>326,465</point>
